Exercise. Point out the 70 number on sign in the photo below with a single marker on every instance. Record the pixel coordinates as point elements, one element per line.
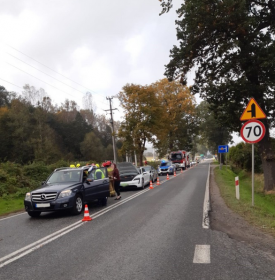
<point>253,131</point>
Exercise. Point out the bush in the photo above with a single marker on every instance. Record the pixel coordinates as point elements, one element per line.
<point>241,156</point>
<point>58,164</point>
<point>16,180</point>
<point>36,171</point>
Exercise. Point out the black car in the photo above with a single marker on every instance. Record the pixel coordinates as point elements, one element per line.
<point>69,188</point>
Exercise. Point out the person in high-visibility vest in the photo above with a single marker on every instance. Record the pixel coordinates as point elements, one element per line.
<point>98,173</point>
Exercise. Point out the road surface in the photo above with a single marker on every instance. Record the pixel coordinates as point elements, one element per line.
<point>149,234</point>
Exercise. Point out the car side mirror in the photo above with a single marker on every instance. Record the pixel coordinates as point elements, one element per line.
<point>89,180</point>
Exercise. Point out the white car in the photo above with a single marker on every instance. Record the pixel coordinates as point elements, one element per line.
<point>131,176</point>
<point>152,171</point>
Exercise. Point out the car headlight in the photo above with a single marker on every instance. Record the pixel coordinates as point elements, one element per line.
<point>28,196</point>
<point>136,179</point>
<point>65,193</point>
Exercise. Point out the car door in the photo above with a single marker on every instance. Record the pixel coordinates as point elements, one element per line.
<point>154,174</point>
<point>97,186</point>
<point>146,175</point>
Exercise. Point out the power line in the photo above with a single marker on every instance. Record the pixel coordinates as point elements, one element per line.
<point>11,83</point>
<point>39,79</point>
<point>23,88</point>
<point>48,67</point>
<point>43,72</point>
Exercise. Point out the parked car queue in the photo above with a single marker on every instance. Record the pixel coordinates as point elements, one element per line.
<point>70,188</point>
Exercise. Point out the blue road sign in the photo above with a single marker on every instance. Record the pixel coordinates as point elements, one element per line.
<point>223,149</point>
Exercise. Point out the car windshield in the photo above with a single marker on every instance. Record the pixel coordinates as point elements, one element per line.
<point>147,168</point>
<point>165,164</point>
<point>65,176</point>
<point>176,156</point>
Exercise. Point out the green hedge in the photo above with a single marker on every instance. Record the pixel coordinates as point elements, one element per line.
<point>241,156</point>
<point>16,180</point>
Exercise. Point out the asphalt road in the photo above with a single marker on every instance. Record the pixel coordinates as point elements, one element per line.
<point>149,234</point>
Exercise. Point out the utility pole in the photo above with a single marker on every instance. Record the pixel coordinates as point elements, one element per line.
<point>112,126</point>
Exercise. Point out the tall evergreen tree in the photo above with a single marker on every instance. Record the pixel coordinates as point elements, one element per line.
<point>231,44</point>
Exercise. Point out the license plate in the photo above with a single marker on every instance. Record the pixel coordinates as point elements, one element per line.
<point>43,205</point>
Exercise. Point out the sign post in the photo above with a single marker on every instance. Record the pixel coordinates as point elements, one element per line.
<point>237,187</point>
<point>253,131</point>
<point>222,149</point>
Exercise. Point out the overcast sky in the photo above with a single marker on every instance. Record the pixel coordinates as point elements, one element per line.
<point>74,46</point>
<point>98,45</point>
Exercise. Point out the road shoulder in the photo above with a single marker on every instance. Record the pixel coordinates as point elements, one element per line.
<point>224,219</point>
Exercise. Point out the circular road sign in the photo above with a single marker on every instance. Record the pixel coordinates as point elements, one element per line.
<point>253,131</point>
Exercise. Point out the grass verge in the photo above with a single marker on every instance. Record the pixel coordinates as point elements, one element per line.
<point>262,215</point>
<point>11,205</point>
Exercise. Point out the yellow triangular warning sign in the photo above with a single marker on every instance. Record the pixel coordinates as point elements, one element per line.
<point>252,111</point>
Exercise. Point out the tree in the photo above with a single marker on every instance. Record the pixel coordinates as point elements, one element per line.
<point>88,103</point>
<point>91,147</point>
<point>176,123</point>
<point>232,46</point>
<point>32,95</point>
<point>212,132</point>
<point>142,112</point>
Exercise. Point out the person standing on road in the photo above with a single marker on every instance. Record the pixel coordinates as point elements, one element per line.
<point>116,178</point>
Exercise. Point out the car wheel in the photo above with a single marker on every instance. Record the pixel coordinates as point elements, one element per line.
<point>34,214</point>
<point>104,201</point>
<point>151,179</point>
<point>142,183</point>
<point>78,205</point>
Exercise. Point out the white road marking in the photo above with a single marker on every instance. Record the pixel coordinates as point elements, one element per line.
<point>206,204</point>
<point>202,254</point>
<point>12,216</point>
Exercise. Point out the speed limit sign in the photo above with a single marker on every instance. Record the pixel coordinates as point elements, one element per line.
<point>253,131</point>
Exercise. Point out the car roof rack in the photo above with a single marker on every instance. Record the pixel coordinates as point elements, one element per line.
<point>61,168</point>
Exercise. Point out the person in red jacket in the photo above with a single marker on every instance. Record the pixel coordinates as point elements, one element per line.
<point>116,178</point>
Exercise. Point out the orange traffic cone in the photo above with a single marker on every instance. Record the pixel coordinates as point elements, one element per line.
<point>175,173</point>
<point>167,177</point>
<point>151,185</point>
<point>86,214</point>
<point>158,183</point>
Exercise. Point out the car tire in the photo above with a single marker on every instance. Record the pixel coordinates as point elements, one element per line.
<point>78,205</point>
<point>34,214</point>
<point>142,184</point>
<point>104,201</point>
